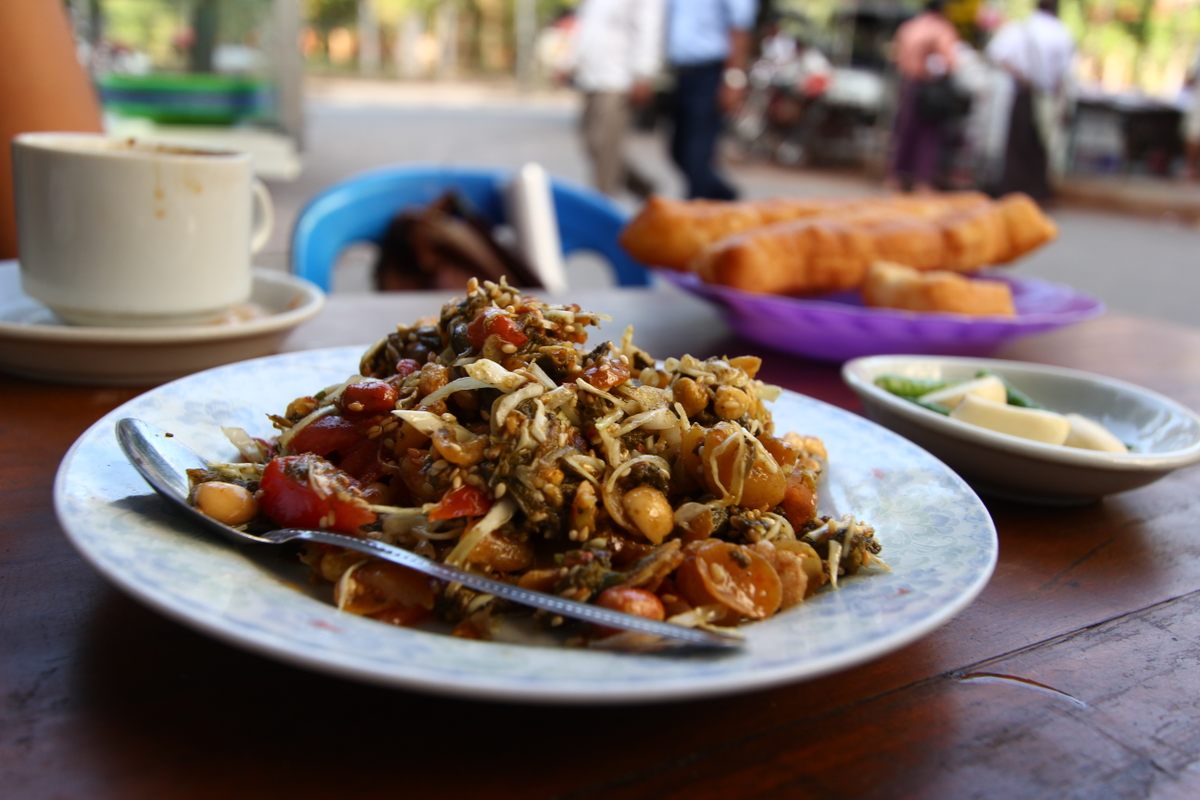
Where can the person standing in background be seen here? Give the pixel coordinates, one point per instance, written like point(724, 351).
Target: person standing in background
point(708, 48)
point(925, 50)
point(618, 53)
point(1037, 54)
point(43, 87)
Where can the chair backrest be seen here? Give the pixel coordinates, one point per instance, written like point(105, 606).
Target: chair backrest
point(359, 209)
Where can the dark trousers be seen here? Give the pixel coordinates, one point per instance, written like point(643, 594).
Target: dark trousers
point(917, 142)
point(1026, 164)
point(697, 122)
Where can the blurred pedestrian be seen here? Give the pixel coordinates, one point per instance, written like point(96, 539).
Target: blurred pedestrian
point(1037, 54)
point(925, 55)
point(1191, 124)
point(618, 54)
point(708, 47)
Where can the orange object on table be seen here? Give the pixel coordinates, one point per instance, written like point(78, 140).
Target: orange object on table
point(43, 87)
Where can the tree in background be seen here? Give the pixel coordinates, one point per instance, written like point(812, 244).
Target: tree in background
point(204, 35)
point(489, 34)
point(173, 34)
point(326, 16)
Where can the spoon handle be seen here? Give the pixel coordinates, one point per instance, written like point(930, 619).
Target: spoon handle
point(694, 637)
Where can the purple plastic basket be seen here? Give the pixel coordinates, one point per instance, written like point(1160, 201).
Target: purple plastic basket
point(838, 327)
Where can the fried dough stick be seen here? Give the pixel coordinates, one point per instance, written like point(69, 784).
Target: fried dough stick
point(823, 254)
point(895, 286)
point(673, 233)
point(1028, 228)
point(809, 255)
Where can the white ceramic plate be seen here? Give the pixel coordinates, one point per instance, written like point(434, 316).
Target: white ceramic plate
point(37, 344)
point(1163, 434)
point(936, 535)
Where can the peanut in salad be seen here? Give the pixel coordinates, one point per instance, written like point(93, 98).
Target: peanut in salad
point(495, 440)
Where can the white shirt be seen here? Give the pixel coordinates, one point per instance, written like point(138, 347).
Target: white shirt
point(617, 42)
point(1040, 48)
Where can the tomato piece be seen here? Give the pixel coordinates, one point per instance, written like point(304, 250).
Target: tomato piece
point(800, 499)
point(377, 587)
point(492, 321)
point(325, 436)
point(762, 489)
point(465, 501)
point(737, 578)
point(362, 463)
point(606, 373)
point(289, 497)
point(508, 330)
point(501, 553)
point(367, 398)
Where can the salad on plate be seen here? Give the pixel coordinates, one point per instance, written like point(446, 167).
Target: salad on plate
point(493, 438)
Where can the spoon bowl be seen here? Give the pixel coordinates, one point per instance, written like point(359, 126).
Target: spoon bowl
point(163, 462)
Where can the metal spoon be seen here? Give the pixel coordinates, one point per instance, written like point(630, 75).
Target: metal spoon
point(163, 462)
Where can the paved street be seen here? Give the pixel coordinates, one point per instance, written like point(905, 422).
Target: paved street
point(1134, 264)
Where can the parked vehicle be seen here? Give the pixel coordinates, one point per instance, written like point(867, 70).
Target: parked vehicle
point(781, 118)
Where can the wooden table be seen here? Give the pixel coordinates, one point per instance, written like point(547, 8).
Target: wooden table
point(1074, 673)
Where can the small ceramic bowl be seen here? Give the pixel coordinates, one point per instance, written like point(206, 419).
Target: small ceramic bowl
point(1162, 434)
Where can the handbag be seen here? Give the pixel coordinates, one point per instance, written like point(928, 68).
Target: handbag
point(940, 100)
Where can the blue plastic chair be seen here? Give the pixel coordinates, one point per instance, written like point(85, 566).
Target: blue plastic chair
point(360, 208)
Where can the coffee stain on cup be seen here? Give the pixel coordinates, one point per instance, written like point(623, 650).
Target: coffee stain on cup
point(160, 194)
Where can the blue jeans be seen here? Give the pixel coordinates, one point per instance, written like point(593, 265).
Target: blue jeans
point(698, 121)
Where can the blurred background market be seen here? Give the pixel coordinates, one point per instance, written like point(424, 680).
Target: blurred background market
point(221, 61)
point(319, 89)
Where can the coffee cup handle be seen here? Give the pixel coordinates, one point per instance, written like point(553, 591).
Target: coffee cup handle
point(265, 216)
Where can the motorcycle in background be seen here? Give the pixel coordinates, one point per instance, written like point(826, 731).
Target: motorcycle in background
point(782, 115)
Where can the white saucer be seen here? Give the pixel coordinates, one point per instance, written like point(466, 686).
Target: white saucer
point(37, 344)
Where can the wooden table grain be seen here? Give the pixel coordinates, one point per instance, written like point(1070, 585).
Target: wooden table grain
point(1076, 673)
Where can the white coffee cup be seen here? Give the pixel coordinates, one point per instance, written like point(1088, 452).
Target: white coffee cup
point(117, 232)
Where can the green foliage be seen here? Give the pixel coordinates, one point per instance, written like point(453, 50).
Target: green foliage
point(151, 25)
